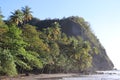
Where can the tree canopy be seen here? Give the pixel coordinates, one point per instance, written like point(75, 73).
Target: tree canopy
point(27, 49)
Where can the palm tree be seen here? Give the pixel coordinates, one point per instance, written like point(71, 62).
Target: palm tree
point(16, 17)
point(27, 13)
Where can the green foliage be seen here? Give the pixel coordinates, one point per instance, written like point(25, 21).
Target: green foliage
point(7, 63)
point(29, 60)
point(16, 17)
point(22, 59)
point(81, 21)
point(53, 33)
point(31, 36)
point(47, 50)
point(95, 50)
point(1, 16)
point(80, 53)
point(12, 38)
point(27, 13)
point(21, 16)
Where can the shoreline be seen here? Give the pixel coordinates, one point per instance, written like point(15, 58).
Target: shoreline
point(51, 76)
point(42, 76)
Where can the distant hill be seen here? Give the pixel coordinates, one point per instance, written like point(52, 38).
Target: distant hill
point(77, 26)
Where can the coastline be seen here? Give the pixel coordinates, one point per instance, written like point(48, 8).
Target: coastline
point(41, 76)
point(60, 76)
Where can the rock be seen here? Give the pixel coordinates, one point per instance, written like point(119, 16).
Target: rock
point(77, 26)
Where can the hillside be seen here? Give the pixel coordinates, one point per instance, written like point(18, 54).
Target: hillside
point(77, 26)
point(29, 45)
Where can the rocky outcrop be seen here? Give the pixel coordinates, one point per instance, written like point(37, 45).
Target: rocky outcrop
point(101, 60)
point(77, 26)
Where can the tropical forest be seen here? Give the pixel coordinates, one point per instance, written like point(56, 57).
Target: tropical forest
point(31, 45)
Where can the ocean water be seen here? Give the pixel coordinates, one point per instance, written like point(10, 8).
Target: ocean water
point(101, 75)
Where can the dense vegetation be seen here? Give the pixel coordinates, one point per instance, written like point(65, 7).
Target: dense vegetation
point(25, 48)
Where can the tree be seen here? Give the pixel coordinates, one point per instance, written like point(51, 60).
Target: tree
point(1, 21)
point(54, 32)
point(10, 42)
point(48, 50)
point(35, 45)
point(31, 36)
point(14, 44)
point(84, 58)
point(7, 63)
point(27, 14)
point(16, 17)
point(1, 16)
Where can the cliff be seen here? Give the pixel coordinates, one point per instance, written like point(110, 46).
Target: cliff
point(77, 26)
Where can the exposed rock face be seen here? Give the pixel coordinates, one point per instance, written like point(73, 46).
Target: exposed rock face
point(100, 61)
point(75, 26)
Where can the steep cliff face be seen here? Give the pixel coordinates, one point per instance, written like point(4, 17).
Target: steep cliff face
point(101, 61)
point(77, 26)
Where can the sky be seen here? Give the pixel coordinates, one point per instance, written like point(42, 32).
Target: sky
point(103, 15)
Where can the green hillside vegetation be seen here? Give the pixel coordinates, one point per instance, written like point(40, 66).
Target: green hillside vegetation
point(76, 27)
point(28, 46)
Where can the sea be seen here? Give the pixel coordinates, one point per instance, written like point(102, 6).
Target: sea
point(100, 75)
